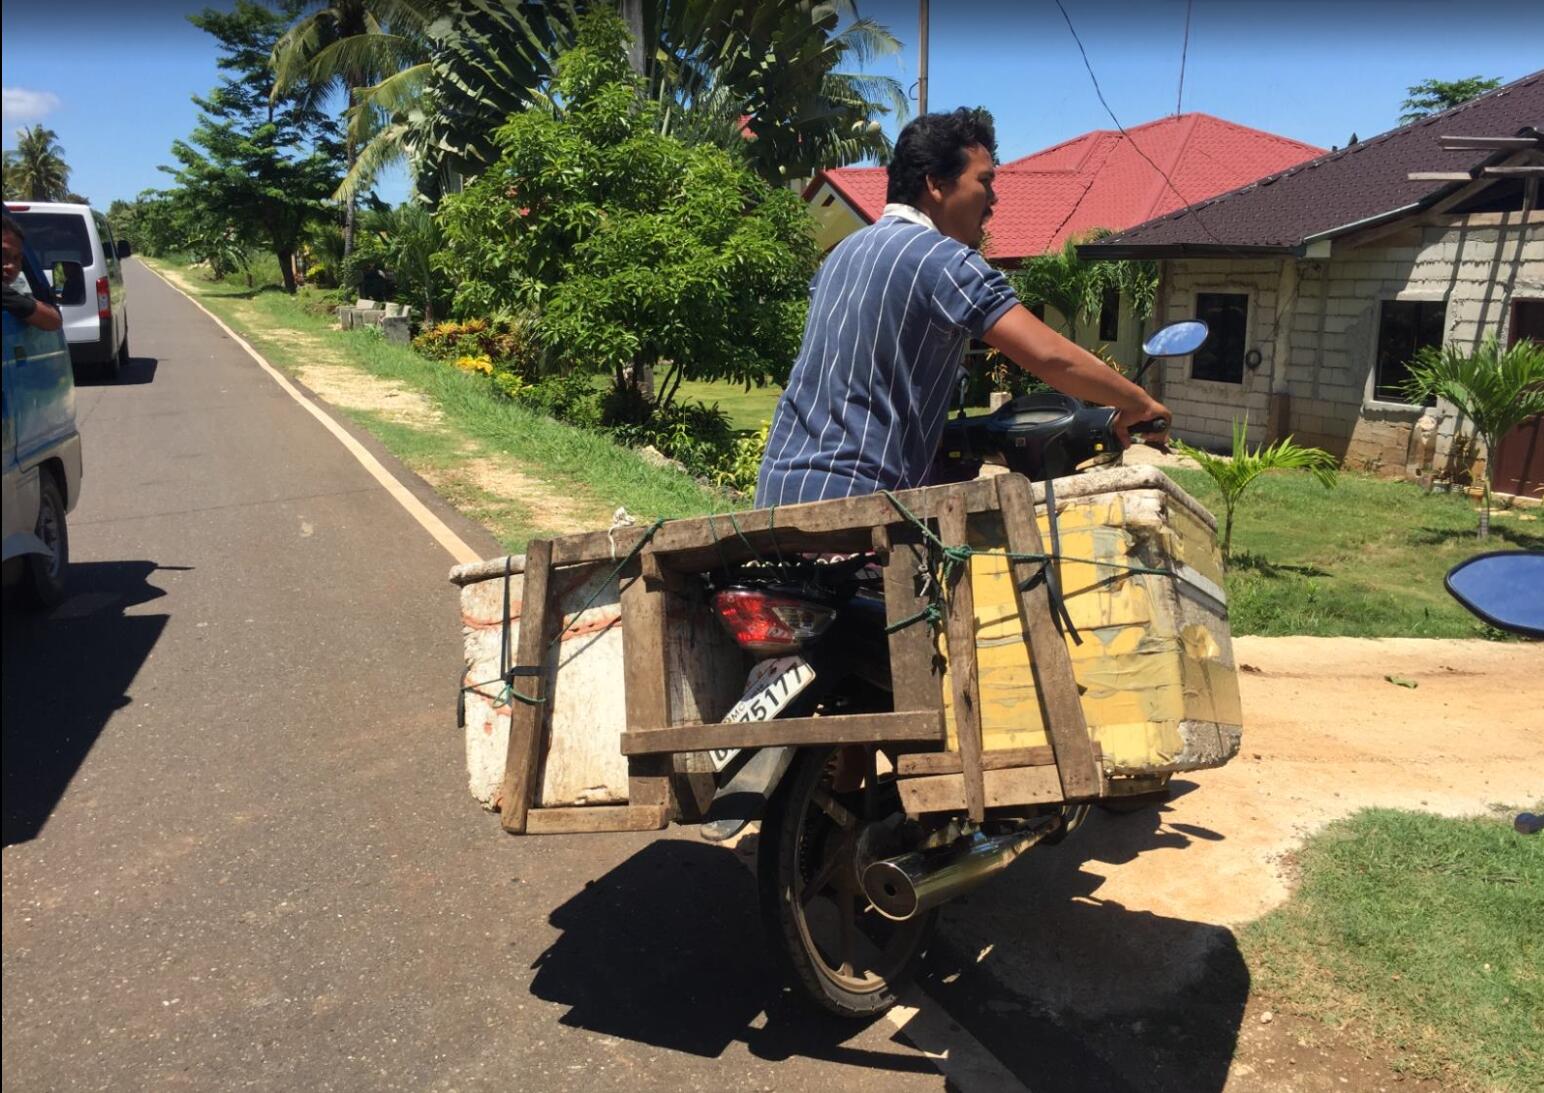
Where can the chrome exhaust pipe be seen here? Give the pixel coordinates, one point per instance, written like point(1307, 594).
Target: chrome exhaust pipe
point(904, 887)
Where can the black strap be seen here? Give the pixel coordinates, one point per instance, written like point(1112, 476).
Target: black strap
point(1059, 611)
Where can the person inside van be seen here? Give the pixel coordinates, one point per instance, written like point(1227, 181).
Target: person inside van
point(19, 298)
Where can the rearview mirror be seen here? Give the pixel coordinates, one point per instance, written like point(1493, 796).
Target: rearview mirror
point(123, 250)
point(1504, 587)
point(69, 283)
point(1177, 339)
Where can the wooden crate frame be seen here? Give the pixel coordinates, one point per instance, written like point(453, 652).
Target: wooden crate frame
point(931, 778)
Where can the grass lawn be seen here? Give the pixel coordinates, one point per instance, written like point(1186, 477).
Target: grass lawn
point(541, 476)
point(1420, 934)
point(1365, 559)
point(748, 410)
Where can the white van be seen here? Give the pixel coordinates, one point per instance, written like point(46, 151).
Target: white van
point(95, 312)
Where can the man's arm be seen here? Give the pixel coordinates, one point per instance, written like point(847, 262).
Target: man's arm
point(1070, 368)
point(31, 311)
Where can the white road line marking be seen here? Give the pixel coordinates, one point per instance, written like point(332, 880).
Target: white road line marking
point(453, 543)
point(959, 1056)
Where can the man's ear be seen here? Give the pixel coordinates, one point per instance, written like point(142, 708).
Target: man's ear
point(934, 187)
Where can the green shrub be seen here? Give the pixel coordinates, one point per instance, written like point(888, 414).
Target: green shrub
point(505, 342)
point(697, 436)
point(744, 463)
point(566, 397)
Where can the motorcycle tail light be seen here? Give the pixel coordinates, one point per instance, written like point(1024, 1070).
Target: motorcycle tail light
point(762, 622)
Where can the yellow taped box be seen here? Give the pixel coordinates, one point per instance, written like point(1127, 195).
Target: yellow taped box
point(1155, 668)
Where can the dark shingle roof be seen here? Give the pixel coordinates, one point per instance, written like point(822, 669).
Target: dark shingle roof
point(1363, 181)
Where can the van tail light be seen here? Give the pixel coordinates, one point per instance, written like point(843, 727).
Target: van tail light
point(16, 208)
point(104, 299)
point(763, 622)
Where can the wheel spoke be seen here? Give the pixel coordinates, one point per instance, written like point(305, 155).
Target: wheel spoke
point(846, 917)
point(835, 809)
point(822, 878)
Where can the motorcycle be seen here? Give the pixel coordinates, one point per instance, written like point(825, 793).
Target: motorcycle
point(849, 885)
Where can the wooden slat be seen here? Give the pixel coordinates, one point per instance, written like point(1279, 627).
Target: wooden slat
point(960, 629)
point(948, 762)
point(526, 719)
point(868, 728)
point(644, 668)
point(566, 821)
point(1439, 176)
point(1052, 666)
point(1014, 786)
point(914, 669)
point(815, 526)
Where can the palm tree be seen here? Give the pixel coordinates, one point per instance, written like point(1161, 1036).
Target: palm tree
point(478, 61)
point(1234, 475)
point(1497, 390)
point(350, 46)
point(35, 170)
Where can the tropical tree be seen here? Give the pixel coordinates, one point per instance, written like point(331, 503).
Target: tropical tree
point(1233, 475)
point(1496, 389)
point(406, 239)
point(1434, 96)
point(348, 46)
point(633, 249)
point(258, 168)
point(35, 170)
point(1076, 288)
point(767, 81)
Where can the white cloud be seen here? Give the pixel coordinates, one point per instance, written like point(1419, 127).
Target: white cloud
point(22, 104)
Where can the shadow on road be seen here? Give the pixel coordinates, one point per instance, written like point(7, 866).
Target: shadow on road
point(138, 370)
point(66, 672)
point(667, 950)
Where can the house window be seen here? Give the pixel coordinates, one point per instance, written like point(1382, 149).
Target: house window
point(1109, 316)
point(1226, 315)
point(1404, 326)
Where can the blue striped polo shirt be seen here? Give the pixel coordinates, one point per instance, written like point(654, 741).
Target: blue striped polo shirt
point(892, 309)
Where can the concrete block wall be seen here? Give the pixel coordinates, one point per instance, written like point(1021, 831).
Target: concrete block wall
point(1204, 410)
point(1324, 334)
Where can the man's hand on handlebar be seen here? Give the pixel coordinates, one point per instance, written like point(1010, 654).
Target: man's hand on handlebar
point(1149, 419)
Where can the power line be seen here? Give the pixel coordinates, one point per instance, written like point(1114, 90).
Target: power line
point(1190, 210)
point(1184, 51)
point(1137, 147)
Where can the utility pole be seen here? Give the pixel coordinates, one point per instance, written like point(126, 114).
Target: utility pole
point(632, 13)
point(922, 60)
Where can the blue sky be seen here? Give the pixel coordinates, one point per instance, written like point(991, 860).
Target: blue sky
point(116, 84)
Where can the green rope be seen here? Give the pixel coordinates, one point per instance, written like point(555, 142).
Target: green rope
point(947, 558)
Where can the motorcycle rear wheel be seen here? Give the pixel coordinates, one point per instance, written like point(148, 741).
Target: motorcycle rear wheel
point(837, 951)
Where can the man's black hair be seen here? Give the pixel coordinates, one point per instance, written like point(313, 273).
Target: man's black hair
point(934, 145)
point(12, 228)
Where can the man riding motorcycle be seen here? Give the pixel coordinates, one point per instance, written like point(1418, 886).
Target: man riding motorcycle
point(893, 308)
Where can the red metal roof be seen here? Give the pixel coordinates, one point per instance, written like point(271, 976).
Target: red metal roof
point(1101, 180)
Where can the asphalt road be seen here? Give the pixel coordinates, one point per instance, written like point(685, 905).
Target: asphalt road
point(239, 850)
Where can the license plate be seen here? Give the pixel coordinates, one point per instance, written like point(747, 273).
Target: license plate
point(771, 686)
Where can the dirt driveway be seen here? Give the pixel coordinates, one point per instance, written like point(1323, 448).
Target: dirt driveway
point(1124, 933)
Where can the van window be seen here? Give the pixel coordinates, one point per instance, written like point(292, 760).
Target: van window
point(56, 237)
point(109, 247)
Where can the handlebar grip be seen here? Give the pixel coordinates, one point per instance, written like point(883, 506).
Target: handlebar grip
point(1156, 425)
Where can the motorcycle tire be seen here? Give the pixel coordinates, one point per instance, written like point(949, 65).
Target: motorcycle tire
point(833, 948)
